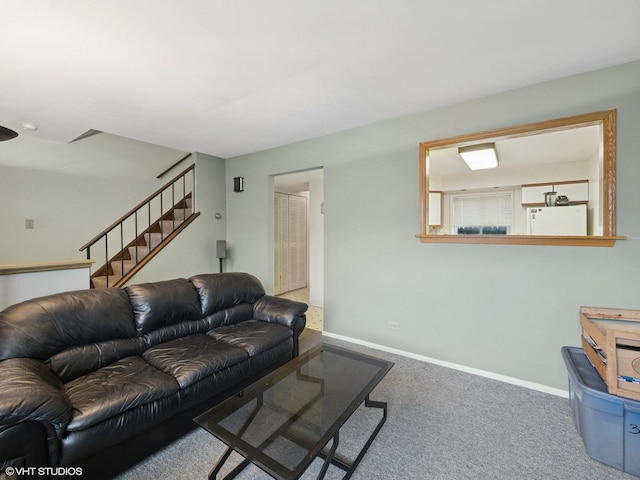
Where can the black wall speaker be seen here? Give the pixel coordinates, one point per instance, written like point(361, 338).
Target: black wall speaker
point(238, 184)
point(221, 248)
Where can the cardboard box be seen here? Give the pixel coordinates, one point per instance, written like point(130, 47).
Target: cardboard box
point(611, 341)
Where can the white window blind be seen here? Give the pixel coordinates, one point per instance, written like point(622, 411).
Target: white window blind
point(482, 210)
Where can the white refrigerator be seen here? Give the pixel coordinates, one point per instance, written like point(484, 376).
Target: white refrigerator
point(564, 220)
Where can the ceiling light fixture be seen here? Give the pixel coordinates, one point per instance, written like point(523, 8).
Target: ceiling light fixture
point(480, 156)
point(7, 134)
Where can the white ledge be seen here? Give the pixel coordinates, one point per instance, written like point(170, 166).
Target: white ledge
point(44, 266)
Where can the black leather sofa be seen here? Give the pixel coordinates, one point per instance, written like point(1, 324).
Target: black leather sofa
point(100, 377)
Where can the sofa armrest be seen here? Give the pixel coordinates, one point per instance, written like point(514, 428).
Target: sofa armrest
point(24, 445)
point(282, 311)
point(32, 392)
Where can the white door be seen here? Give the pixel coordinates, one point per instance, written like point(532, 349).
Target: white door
point(290, 242)
point(297, 242)
point(281, 242)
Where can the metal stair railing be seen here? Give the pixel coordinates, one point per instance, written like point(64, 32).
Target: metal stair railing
point(112, 238)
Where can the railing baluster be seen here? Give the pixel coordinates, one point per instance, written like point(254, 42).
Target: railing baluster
point(106, 256)
point(184, 195)
point(136, 235)
point(173, 202)
point(121, 248)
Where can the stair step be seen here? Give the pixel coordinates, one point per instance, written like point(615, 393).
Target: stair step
point(153, 239)
point(182, 213)
point(169, 226)
point(142, 251)
point(118, 266)
point(101, 282)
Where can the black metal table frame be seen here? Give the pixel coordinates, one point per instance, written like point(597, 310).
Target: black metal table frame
point(329, 458)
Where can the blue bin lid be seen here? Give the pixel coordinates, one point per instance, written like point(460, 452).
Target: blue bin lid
point(588, 381)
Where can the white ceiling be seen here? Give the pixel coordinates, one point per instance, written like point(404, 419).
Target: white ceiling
point(233, 77)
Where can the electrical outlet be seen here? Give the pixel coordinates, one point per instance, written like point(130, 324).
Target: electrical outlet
point(393, 325)
point(29, 224)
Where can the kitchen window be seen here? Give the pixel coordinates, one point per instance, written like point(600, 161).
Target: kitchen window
point(436, 157)
point(482, 213)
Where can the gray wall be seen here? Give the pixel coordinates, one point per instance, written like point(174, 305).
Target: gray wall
point(501, 309)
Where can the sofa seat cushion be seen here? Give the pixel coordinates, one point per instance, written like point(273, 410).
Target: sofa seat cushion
point(114, 389)
point(254, 336)
point(190, 359)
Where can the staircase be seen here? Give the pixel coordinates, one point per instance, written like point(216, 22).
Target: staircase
point(122, 260)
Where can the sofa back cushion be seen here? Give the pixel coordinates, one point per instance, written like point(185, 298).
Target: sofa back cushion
point(161, 304)
point(42, 327)
point(77, 361)
point(227, 298)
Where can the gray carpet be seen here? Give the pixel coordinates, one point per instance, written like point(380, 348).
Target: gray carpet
point(443, 424)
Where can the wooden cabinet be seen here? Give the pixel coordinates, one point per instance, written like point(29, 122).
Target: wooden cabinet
point(435, 209)
point(577, 191)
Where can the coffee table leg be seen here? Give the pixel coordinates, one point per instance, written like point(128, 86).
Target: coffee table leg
point(213, 474)
point(328, 460)
point(349, 468)
point(233, 473)
point(370, 404)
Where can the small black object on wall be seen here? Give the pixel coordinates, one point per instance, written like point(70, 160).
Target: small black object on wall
point(238, 184)
point(221, 251)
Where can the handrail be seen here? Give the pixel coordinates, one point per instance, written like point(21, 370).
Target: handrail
point(174, 165)
point(134, 209)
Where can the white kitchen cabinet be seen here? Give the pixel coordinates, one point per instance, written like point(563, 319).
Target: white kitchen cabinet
point(435, 209)
point(575, 191)
point(534, 194)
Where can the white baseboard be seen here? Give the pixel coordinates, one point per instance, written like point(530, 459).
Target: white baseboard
point(475, 371)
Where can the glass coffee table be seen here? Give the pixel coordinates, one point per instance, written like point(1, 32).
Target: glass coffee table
point(285, 420)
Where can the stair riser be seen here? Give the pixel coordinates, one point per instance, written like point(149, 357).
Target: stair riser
point(142, 251)
point(117, 267)
point(181, 214)
point(153, 239)
point(101, 282)
point(169, 226)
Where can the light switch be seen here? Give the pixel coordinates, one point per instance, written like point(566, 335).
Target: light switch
point(29, 224)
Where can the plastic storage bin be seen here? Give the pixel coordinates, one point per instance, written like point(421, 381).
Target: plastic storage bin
point(609, 425)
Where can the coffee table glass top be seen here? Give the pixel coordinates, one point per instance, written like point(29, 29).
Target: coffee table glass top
point(281, 422)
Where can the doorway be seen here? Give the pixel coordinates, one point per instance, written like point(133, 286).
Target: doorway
point(298, 222)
